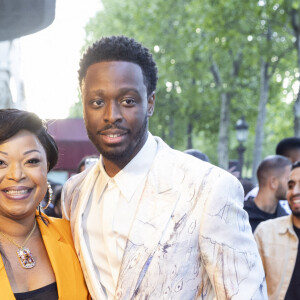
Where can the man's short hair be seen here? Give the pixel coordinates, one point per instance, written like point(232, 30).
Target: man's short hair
point(120, 48)
point(295, 165)
point(272, 165)
point(286, 145)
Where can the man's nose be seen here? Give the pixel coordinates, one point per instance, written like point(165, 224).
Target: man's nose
point(112, 112)
point(16, 172)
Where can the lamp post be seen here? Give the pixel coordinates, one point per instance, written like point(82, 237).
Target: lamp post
point(241, 128)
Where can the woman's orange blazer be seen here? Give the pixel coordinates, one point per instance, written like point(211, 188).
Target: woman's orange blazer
point(59, 245)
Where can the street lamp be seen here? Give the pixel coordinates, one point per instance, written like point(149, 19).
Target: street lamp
point(241, 128)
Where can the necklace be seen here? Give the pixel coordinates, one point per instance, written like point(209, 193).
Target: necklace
point(24, 254)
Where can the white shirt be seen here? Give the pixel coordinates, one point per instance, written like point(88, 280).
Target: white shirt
point(108, 220)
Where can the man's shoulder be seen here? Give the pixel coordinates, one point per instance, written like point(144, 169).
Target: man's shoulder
point(176, 159)
point(71, 190)
point(174, 162)
point(76, 180)
point(273, 224)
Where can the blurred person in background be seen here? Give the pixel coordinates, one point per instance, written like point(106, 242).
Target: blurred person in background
point(54, 210)
point(278, 244)
point(290, 148)
point(37, 256)
point(198, 154)
point(272, 174)
point(247, 185)
point(86, 162)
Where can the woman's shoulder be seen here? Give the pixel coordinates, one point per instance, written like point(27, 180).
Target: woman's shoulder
point(59, 223)
point(52, 224)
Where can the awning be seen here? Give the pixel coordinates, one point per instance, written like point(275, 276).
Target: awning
point(72, 141)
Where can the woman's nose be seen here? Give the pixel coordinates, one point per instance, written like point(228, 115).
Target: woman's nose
point(16, 172)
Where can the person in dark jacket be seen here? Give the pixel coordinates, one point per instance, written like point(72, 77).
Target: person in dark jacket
point(272, 176)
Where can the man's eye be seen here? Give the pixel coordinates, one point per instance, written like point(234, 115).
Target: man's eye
point(97, 102)
point(129, 101)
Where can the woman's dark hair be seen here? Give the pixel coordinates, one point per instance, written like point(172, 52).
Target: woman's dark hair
point(14, 120)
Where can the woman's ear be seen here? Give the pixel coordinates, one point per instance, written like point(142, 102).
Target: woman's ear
point(151, 104)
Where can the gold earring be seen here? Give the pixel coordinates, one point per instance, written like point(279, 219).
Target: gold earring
point(50, 193)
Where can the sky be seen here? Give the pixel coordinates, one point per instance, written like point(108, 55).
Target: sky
point(50, 58)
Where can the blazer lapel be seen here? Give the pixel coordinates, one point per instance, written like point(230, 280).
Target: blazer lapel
point(62, 265)
point(5, 288)
point(157, 206)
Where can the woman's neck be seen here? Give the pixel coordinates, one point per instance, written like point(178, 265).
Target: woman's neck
point(17, 229)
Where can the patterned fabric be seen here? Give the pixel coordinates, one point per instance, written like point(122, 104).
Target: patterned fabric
point(191, 238)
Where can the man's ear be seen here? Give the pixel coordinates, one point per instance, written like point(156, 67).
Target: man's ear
point(273, 181)
point(151, 104)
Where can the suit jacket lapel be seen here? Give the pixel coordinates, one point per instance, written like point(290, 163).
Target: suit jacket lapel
point(157, 206)
point(84, 195)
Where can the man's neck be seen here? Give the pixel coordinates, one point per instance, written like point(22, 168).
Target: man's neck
point(266, 202)
point(113, 168)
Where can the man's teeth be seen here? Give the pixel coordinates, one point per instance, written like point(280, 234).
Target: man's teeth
point(296, 201)
point(113, 135)
point(17, 192)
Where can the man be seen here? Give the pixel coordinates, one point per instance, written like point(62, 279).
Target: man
point(150, 222)
point(278, 242)
point(290, 148)
point(272, 175)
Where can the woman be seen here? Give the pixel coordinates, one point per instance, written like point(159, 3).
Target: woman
point(37, 257)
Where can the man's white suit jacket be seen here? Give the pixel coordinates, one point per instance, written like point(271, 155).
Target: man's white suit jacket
point(191, 238)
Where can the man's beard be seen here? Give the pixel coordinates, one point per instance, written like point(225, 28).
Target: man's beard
point(127, 153)
point(296, 214)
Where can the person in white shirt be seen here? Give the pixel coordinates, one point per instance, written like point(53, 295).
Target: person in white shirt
point(150, 222)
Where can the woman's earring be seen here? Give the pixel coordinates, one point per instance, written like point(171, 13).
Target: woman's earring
point(50, 192)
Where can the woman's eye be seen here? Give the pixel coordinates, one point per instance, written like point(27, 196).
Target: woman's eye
point(2, 163)
point(33, 161)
